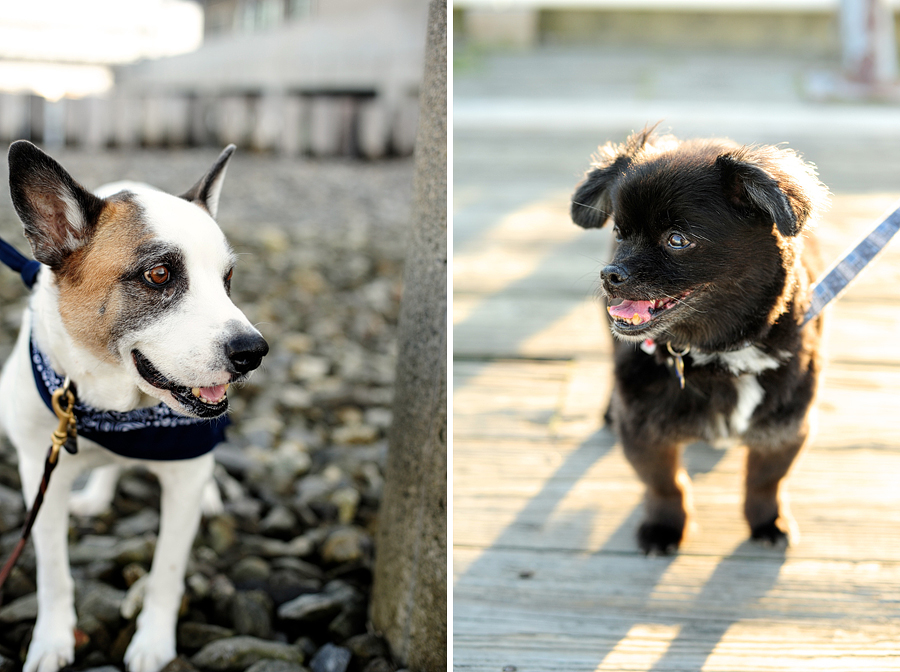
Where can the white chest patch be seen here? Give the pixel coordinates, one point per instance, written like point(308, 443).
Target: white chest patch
point(746, 364)
point(746, 360)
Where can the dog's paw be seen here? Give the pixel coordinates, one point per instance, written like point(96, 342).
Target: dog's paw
point(148, 652)
point(49, 654)
point(778, 533)
point(658, 538)
point(87, 505)
point(211, 504)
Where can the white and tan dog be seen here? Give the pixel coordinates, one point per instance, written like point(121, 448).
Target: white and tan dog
point(133, 304)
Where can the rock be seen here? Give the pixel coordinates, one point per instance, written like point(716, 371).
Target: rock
point(322, 607)
point(355, 434)
point(345, 544)
point(147, 520)
point(23, 609)
point(285, 584)
point(276, 666)
point(301, 546)
point(251, 613)
point(315, 608)
point(221, 592)
point(12, 509)
point(309, 367)
point(296, 397)
point(233, 459)
point(132, 572)
point(194, 636)
point(331, 658)
point(221, 531)
point(99, 600)
point(366, 646)
point(236, 654)
point(379, 665)
point(347, 501)
point(137, 549)
point(297, 343)
point(199, 585)
point(103, 668)
point(178, 664)
point(7, 664)
point(250, 570)
point(279, 522)
point(379, 417)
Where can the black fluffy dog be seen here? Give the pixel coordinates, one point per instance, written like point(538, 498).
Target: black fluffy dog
point(706, 293)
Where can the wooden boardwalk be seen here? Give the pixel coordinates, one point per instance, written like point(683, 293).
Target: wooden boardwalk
point(546, 571)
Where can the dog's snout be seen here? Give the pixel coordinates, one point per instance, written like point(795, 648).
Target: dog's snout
point(245, 352)
point(614, 275)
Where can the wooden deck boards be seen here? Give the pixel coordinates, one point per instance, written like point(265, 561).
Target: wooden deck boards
point(546, 572)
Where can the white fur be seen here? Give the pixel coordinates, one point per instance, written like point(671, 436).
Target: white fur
point(750, 394)
point(746, 360)
point(745, 364)
point(183, 345)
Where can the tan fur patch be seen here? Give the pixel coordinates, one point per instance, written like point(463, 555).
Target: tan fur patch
point(89, 297)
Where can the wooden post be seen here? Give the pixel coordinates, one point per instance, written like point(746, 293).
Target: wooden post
point(409, 595)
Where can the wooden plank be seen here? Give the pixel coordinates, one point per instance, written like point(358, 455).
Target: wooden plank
point(581, 611)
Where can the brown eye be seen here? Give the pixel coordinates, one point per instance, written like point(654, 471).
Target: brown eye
point(228, 277)
point(158, 275)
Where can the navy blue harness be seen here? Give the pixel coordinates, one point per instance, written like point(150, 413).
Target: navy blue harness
point(153, 433)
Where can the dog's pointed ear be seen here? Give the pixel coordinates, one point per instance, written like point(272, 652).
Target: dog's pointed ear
point(592, 203)
point(58, 214)
point(775, 183)
point(206, 192)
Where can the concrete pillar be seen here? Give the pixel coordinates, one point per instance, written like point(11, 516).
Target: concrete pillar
point(373, 127)
point(127, 120)
point(406, 124)
point(409, 595)
point(869, 46)
point(295, 139)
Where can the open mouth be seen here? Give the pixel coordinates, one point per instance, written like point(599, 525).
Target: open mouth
point(204, 402)
point(635, 315)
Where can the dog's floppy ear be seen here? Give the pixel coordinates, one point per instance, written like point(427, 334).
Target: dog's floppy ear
point(774, 182)
point(58, 214)
point(206, 192)
point(592, 203)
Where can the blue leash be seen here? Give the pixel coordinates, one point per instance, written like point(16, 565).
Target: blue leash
point(836, 279)
point(27, 268)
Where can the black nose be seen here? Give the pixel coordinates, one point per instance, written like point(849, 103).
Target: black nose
point(614, 275)
point(245, 352)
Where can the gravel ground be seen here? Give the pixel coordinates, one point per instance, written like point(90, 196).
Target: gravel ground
point(280, 581)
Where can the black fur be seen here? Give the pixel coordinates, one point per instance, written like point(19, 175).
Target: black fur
point(45, 196)
point(710, 230)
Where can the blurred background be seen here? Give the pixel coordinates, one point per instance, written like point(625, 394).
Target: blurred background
point(546, 571)
point(322, 100)
point(336, 77)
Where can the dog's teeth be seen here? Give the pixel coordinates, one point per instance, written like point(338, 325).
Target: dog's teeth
point(636, 319)
point(195, 391)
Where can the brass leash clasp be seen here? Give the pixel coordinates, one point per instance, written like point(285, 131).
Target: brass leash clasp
point(65, 434)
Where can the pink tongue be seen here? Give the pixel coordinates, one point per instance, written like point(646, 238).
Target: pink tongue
point(628, 309)
point(214, 393)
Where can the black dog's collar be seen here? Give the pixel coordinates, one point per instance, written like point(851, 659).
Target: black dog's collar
point(153, 433)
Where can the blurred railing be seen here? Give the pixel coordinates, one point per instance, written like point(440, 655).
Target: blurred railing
point(290, 123)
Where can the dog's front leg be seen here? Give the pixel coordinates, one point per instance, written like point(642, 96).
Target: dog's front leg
point(53, 640)
point(667, 500)
point(182, 483)
point(766, 503)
